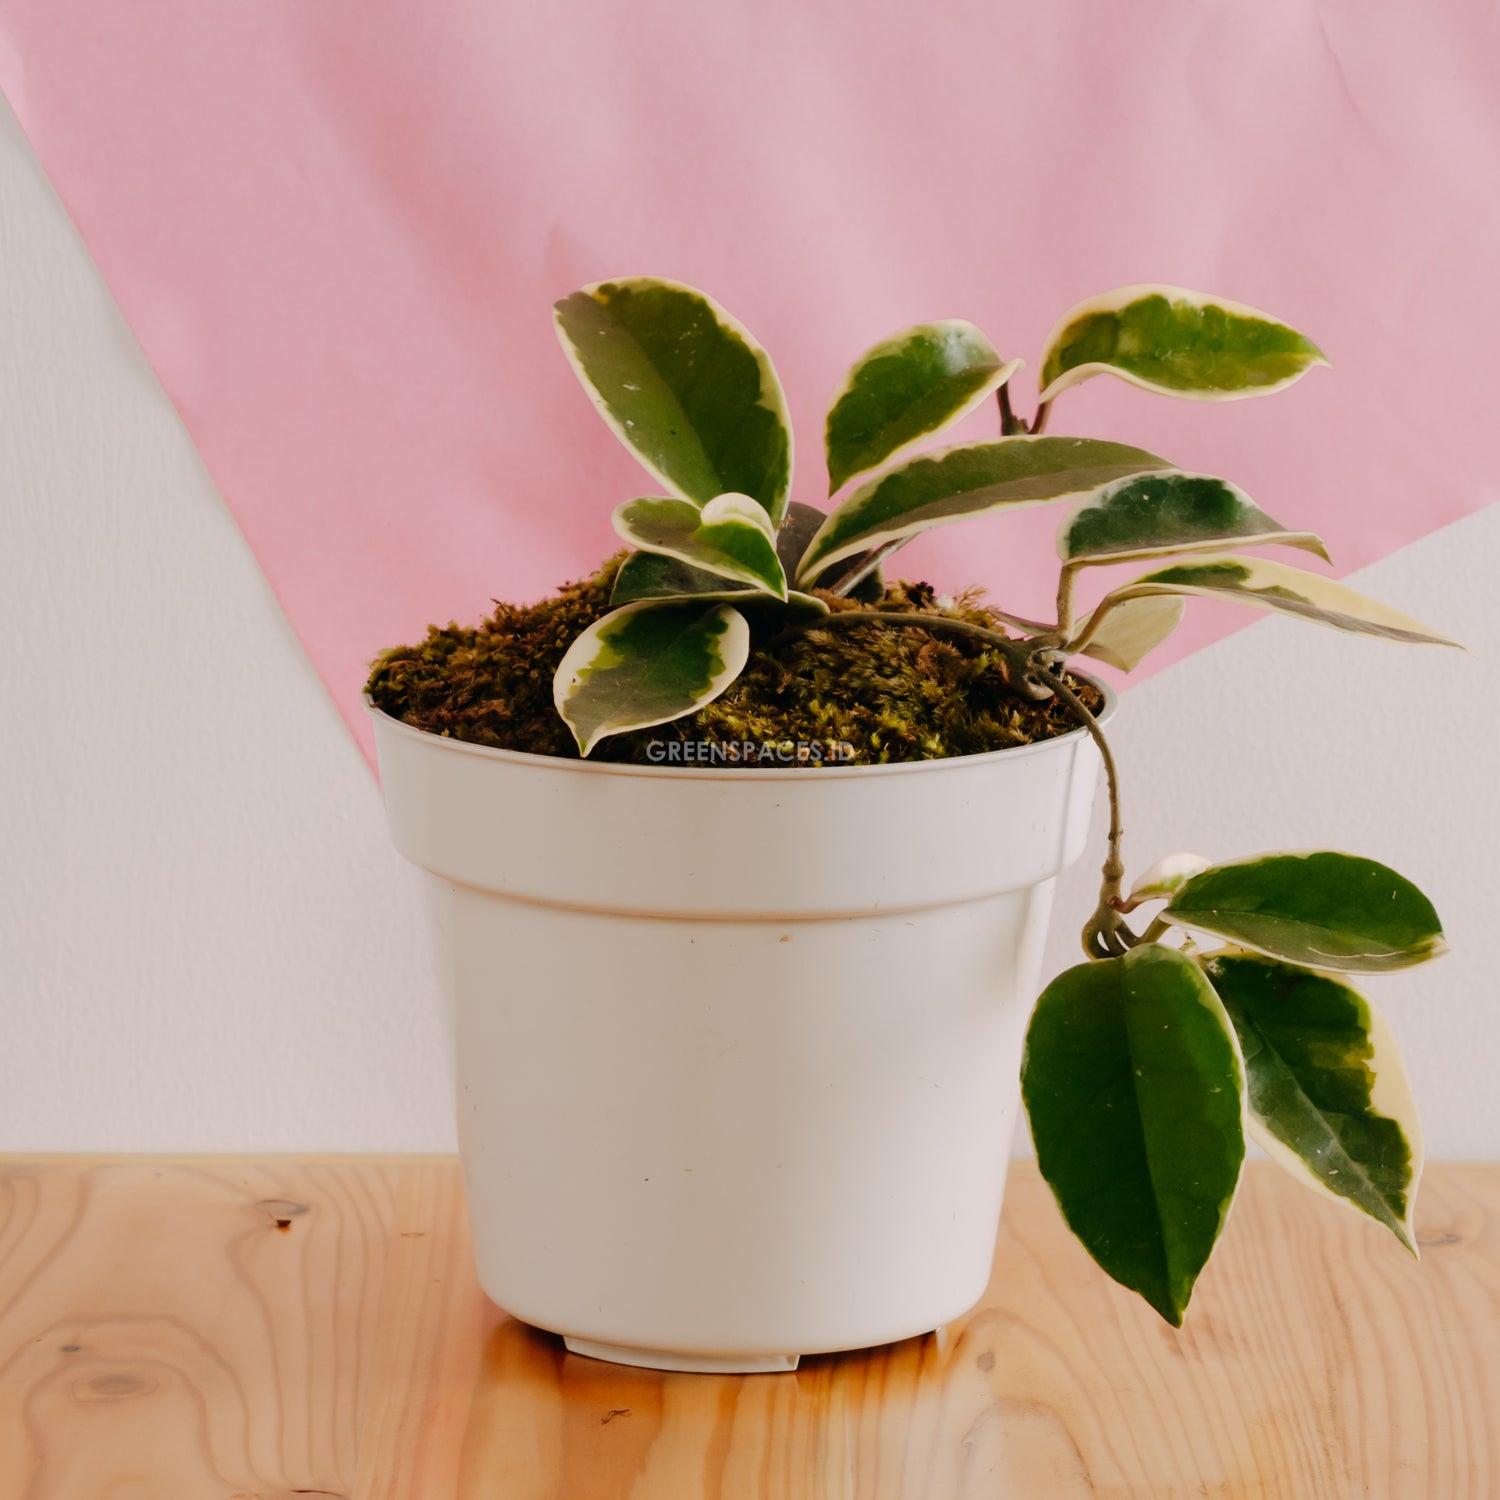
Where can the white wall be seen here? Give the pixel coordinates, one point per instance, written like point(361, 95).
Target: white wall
point(205, 940)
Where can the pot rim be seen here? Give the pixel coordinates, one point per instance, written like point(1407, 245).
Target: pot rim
point(685, 772)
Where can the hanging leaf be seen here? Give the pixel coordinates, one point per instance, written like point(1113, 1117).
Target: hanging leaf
point(1133, 1083)
point(1130, 631)
point(650, 575)
point(1329, 1098)
point(1276, 586)
point(1154, 515)
point(684, 385)
point(905, 389)
point(971, 479)
point(1176, 342)
point(1324, 910)
point(648, 664)
point(730, 537)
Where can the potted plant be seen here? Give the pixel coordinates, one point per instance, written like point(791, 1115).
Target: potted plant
point(749, 857)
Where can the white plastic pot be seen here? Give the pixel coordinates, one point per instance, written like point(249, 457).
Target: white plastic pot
point(738, 1049)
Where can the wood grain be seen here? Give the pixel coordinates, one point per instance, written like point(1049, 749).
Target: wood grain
point(162, 1337)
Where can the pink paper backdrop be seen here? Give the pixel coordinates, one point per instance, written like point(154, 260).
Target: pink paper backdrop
point(337, 227)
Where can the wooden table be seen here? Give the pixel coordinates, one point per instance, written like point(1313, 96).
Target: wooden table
point(201, 1329)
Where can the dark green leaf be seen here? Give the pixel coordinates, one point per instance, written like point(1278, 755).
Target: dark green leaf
point(1325, 910)
point(972, 479)
point(663, 580)
point(684, 385)
point(906, 388)
point(1155, 514)
point(1133, 1083)
point(1177, 342)
point(1329, 1096)
point(730, 537)
point(648, 664)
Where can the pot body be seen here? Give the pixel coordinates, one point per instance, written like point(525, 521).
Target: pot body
point(738, 1050)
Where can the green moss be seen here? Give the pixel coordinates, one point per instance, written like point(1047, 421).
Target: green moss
point(894, 694)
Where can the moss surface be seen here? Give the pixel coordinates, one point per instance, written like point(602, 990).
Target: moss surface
point(894, 694)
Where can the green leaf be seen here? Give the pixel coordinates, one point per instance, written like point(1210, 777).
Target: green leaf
point(648, 664)
point(1176, 342)
point(665, 580)
point(1133, 1083)
point(684, 385)
point(905, 389)
point(1153, 515)
point(1325, 910)
point(730, 537)
point(971, 479)
point(1329, 1098)
point(1276, 586)
point(1127, 633)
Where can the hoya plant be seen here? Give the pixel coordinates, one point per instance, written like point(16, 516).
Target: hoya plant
point(1230, 1013)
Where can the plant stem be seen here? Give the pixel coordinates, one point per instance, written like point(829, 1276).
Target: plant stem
point(1065, 600)
point(1039, 421)
point(1010, 423)
point(1106, 934)
point(1084, 638)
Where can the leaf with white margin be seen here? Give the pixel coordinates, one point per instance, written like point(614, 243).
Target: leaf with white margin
point(1156, 515)
point(730, 537)
point(1129, 632)
point(970, 479)
point(906, 388)
point(1283, 589)
point(1176, 342)
point(685, 385)
point(648, 664)
point(1323, 910)
point(1330, 1101)
point(1169, 873)
point(1133, 1083)
point(664, 580)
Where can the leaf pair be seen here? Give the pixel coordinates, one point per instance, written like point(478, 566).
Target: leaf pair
point(1143, 1073)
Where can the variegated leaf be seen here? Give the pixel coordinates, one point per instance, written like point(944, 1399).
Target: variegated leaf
point(1285, 590)
point(1176, 342)
point(906, 388)
point(1155, 515)
point(648, 664)
point(1133, 1083)
point(1126, 634)
point(1164, 877)
point(663, 580)
point(730, 537)
point(1329, 1098)
point(971, 479)
point(1324, 910)
point(683, 384)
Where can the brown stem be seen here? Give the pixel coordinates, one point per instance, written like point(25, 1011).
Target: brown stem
point(1106, 934)
point(1010, 423)
point(1065, 580)
point(1039, 421)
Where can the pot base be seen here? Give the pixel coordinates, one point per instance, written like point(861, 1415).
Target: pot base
point(697, 1364)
